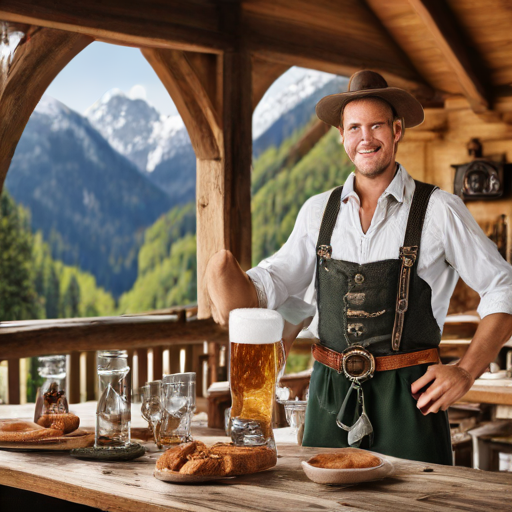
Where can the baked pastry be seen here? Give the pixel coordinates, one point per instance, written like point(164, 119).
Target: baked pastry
point(67, 422)
point(13, 431)
point(345, 458)
point(174, 458)
point(220, 460)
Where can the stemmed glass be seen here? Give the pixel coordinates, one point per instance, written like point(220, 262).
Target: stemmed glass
point(151, 408)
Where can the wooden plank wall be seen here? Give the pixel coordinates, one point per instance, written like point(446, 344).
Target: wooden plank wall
point(427, 152)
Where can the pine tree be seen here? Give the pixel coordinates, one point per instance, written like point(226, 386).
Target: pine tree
point(18, 297)
point(52, 294)
point(71, 299)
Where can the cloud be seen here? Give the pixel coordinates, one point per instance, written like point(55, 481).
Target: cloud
point(138, 92)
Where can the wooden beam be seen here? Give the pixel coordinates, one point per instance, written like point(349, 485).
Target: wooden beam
point(441, 23)
point(26, 339)
point(37, 61)
point(184, 25)
point(338, 43)
point(342, 50)
point(264, 74)
point(191, 98)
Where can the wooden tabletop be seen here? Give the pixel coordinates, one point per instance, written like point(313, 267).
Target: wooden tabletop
point(130, 486)
point(490, 391)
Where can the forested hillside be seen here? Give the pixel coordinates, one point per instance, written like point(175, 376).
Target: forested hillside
point(280, 190)
point(167, 264)
point(34, 285)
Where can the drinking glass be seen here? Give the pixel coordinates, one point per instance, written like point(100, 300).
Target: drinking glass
point(51, 396)
point(151, 408)
point(255, 337)
point(176, 403)
point(113, 414)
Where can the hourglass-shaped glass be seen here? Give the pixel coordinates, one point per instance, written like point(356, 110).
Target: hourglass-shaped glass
point(113, 415)
point(51, 397)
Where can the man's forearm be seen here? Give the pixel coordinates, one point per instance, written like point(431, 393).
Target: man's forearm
point(492, 333)
point(447, 384)
point(228, 286)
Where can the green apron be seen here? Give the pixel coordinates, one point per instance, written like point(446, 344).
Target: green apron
point(356, 306)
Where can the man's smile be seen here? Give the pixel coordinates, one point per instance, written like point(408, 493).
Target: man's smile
point(368, 151)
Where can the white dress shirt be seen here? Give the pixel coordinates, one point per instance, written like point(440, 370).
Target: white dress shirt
point(452, 245)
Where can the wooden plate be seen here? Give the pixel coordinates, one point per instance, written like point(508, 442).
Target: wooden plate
point(178, 478)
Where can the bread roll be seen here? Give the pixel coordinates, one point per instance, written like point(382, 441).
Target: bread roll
point(345, 458)
point(220, 460)
point(174, 458)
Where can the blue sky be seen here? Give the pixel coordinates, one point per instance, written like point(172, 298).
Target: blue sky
point(101, 67)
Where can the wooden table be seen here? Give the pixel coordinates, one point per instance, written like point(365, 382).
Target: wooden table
point(131, 487)
point(490, 391)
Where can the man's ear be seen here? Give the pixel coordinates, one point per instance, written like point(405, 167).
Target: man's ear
point(398, 129)
point(340, 129)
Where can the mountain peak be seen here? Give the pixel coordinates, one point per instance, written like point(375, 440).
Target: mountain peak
point(51, 107)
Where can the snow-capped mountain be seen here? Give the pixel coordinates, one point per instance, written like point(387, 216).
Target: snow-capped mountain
point(89, 201)
point(158, 145)
point(284, 95)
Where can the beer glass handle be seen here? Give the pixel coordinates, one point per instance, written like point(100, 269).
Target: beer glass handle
point(281, 360)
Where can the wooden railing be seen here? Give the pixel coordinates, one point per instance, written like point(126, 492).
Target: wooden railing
point(158, 342)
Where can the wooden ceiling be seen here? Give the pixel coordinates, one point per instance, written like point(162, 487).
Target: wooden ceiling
point(436, 49)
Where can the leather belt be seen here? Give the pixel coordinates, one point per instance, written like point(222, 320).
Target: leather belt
point(334, 359)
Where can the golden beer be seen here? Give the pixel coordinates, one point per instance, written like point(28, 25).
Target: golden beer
point(253, 382)
point(256, 358)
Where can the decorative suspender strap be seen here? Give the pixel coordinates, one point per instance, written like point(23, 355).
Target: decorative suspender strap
point(323, 246)
point(408, 255)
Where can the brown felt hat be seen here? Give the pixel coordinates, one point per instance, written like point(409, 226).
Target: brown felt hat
point(369, 83)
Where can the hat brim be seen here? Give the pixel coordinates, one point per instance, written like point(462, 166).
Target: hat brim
point(329, 108)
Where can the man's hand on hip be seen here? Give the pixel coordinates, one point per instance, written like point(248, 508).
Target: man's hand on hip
point(444, 386)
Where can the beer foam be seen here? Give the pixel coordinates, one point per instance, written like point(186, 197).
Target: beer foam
point(255, 326)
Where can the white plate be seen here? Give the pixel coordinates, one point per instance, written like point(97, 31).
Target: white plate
point(348, 476)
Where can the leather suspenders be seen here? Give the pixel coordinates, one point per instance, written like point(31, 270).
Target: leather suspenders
point(409, 253)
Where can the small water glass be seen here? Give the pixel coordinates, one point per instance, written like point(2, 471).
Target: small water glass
point(151, 408)
point(177, 404)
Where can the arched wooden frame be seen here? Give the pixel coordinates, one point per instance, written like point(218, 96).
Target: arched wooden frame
point(215, 95)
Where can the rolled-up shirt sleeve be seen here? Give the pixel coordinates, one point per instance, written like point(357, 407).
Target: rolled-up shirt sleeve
point(476, 258)
point(288, 273)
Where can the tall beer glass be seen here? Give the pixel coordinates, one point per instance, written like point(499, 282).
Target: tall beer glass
point(256, 355)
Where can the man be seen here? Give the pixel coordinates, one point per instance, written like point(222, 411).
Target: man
point(383, 253)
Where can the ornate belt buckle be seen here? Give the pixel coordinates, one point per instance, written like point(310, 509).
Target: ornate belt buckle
point(358, 364)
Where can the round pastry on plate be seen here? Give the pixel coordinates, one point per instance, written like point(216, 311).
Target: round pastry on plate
point(346, 466)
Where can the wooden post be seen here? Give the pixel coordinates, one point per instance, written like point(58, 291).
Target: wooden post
point(213, 362)
point(158, 363)
point(142, 358)
point(74, 378)
point(91, 376)
point(214, 97)
point(13, 378)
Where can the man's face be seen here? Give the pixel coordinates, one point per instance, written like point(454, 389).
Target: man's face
point(369, 136)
